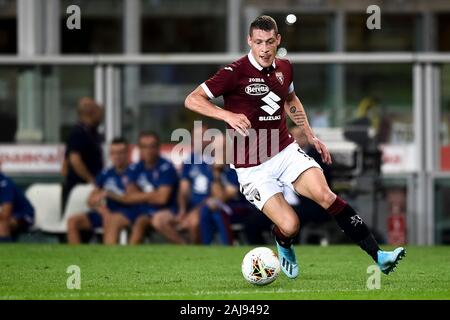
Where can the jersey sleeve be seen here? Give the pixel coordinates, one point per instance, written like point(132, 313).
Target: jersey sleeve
point(225, 80)
point(100, 180)
point(185, 171)
point(6, 191)
point(168, 176)
point(131, 175)
point(230, 178)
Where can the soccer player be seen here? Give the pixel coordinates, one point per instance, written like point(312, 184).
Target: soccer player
point(16, 212)
point(112, 215)
point(152, 183)
point(258, 92)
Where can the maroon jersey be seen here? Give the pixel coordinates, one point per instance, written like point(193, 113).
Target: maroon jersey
point(259, 93)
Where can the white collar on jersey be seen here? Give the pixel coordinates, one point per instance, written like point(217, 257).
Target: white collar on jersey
point(255, 63)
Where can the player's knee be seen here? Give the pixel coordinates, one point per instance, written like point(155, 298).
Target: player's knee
point(290, 227)
point(159, 222)
point(72, 223)
point(3, 219)
point(325, 197)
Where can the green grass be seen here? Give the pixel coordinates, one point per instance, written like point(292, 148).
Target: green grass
point(37, 271)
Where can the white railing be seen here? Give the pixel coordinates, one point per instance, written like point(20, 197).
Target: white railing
point(347, 58)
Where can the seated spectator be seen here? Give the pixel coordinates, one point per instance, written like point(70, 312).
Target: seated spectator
point(225, 206)
point(112, 215)
point(195, 187)
point(16, 212)
point(152, 184)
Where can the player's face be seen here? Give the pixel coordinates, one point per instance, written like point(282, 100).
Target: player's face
point(264, 46)
point(119, 155)
point(149, 148)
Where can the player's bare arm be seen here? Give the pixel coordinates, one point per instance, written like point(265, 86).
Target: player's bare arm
point(6, 211)
point(134, 195)
point(96, 198)
point(183, 194)
point(160, 196)
point(198, 101)
point(296, 112)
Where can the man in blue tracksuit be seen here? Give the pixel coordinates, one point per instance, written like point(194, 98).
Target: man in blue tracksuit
point(16, 212)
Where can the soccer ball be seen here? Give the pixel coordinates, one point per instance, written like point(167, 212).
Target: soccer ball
point(260, 266)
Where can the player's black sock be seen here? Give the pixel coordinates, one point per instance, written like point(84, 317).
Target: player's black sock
point(353, 226)
point(282, 240)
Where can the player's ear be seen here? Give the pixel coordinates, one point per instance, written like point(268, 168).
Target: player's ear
point(278, 39)
point(249, 40)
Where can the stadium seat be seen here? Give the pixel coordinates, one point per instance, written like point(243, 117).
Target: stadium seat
point(76, 203)
point(46, 200)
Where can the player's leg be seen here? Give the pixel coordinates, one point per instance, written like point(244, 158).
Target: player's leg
point(75, 225)
point(193, 225)
point(262, 188)
point(312, 184)
point(207, 227)
point(164, 222)
point(5, 230)
point(285, 231)
point(116, 222)
point(222, 222)
point(139, 227)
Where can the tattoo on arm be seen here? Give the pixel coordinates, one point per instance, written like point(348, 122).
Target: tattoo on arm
point(298, 116)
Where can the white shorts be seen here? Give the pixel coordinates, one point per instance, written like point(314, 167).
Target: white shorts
point(261, 182)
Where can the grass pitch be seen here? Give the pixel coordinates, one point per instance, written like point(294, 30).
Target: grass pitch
point(37, 271)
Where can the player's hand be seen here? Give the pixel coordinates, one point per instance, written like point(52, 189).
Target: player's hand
point(321, 148)
point(180, 216)
point(103, 211)
point(239, 122)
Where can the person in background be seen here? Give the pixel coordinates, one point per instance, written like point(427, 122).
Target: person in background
point(107, 213)
point(226, 205)
point(16, 212)
point(84, 156)
point(195, 186)
point(152, 184)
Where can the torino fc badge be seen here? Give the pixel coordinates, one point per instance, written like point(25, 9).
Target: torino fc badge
point(280, 77)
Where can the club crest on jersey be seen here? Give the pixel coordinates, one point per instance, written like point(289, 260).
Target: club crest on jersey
point(280, 77)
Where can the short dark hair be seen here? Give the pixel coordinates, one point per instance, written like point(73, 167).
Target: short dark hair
point(149, 133)
point(119, 140)
point(265, 23)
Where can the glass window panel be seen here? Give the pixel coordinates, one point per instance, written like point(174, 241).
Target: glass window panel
point(399, 32)
point(443, 25)
point(444, 133)
point(158, 102)
point(101, 27)
point(183, 26)
point(310, 33)
point(8, 27)
point(51, 97)
point(442, 214)
point(8, 103)
point(384, 93)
